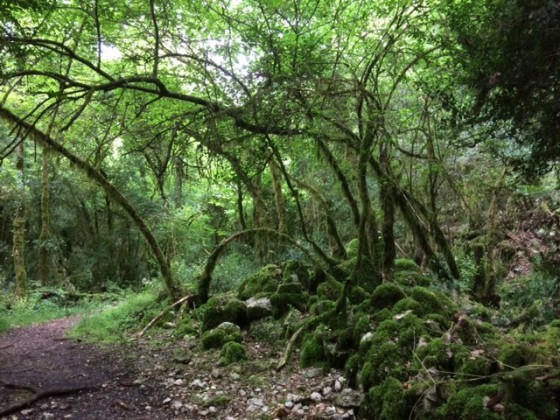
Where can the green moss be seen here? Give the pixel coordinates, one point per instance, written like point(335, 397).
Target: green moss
point(468, 404)
point(263, 282)
point(313, 350)
point(411, 278)
point(383, 360)
point(434, 301)
point(436, 353)
point(472, 367)
point(361, 327)
point(358, 295)
point(382, 315)
point(186, 326)
point(387, 400)
point(524, 389)
point(408, 304)
point(282, 302)
point(352, 367)
point(406, 264)
point(291, 288)
point(224, 333)
point(513, 355)
point(386, 295)
point(219, 310)
point(322, 306)
point(232, 352)
point(352, 248)
point(406, 331)
point(295, 271)
point(330, 289)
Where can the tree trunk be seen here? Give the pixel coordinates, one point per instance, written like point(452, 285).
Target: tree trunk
point(43, 266)
point(279, 197)
point(19, 228)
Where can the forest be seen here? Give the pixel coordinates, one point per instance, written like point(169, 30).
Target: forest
point(369, 187)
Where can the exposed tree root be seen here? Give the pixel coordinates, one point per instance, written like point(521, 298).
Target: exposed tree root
point(159, 317)
point(290, 348)
point(38, 394)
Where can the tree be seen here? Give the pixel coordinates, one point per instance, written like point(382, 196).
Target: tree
point(509, 54)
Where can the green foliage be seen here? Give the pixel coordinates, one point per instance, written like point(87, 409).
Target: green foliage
point(232, 352)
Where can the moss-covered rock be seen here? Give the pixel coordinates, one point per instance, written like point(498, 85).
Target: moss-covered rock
point(411, 278)
point(313, 350)
point(523, 388)
point(358, 295)
point(330, 289)
point(262, 283)
point(295, 271)
point(387, 400)
point(469, 404)
point(386, 295)
point(434, 301)
point(408, 304)
point(406, 264)
point(282, 302)
point(437, 353)
point(322, 306)
point(232, 352)
point(290, 288)
point(220, 335)
point(258, 308)
point(223, 309)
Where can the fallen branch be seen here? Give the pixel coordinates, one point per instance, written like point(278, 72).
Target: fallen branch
point(164, 312)
point(38, 394)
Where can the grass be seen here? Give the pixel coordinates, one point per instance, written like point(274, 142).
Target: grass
point(115, 323)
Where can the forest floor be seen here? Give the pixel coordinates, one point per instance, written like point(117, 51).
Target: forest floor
point(46, 375)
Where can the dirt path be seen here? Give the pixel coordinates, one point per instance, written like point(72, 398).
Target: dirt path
point(72, 380)
point(175, 380)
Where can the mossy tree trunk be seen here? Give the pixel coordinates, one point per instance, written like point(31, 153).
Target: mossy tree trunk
point(278, 197)
point(173, 287)
point(490, 296)
point(43, 264)
point(18, 249)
